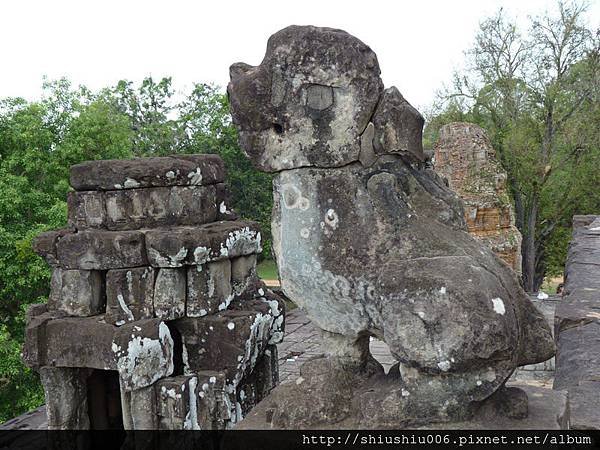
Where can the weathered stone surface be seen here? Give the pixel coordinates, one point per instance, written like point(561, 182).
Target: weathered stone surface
point(224, 203)
point(276, 309)
point(216, 403)
point(86, 210)
point(547, 410)
point(194, 402)
point(322, 259)
point(176, 170)
point(577, 276)
point(131, 209)
point(44, 244)
point(143, 353)
point(379, 249)
point(584, 402)
point(177, 397)
point(583, 220)
point(318, 405)
point(102, 250)
point(34, 350)
point(577, 355)
point(129, 295)
point(542, 372)
point(142, 408)
point(367, 154)
point(35, 419)
point(311, 407)
point(262, 380)
point(34, 310)
point(72, 342)
point(509, 402)
point(128, 353)
point(232, 340)
point(466, 158)
point(288, 108)
point(267, 373)
point(577, 325)
point(179, 246)
point(140, 411)
point(398, 127)
point(65, 390)
point(78, 293)
point(576, 312)
point(169, 294)
point(399, 406)
point(243, 273)
point(208, 288)
point(126, 406)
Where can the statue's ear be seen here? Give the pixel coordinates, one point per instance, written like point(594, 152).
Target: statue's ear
point(398, 127)
point(237, 69)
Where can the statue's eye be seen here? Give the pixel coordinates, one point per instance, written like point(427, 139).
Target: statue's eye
point(277, 128)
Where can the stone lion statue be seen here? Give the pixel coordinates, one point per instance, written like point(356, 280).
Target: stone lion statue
point(370, 242)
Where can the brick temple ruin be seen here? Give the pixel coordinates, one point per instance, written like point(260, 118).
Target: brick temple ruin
point(156, 318)
point(464, 155)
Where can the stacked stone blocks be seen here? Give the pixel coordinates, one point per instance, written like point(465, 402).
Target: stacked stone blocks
point(153, 278)
point(577, 325)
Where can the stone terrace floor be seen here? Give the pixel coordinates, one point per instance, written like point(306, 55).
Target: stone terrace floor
point(302, 341)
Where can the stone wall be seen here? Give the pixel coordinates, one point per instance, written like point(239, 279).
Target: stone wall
point(577, 325)
point(465, 157)
point(542, 373)
point(156, 318)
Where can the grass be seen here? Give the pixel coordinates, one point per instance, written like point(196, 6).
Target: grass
point(267, 270)
point(550, 284)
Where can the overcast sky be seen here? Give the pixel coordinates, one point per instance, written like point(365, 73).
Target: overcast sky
point(96, 43)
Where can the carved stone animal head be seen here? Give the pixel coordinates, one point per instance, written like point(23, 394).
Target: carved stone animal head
point(310, 100)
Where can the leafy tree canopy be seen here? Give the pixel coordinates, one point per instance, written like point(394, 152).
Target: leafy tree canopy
point(538, 95)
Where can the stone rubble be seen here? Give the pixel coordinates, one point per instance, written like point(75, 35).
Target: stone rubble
point(156, 319)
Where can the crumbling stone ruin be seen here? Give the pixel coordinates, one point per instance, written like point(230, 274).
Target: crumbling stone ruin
point(577, 326)
point(156, 318)
point(372, 243)
point(464, 155)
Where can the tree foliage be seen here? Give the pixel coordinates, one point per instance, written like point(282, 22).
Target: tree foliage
point(537, 94)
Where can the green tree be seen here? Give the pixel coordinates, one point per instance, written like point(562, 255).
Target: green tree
point(198, 123)
point(207, 125)
point(531, 93)
point(152, 112)
point(40, 140)
point(38, 143)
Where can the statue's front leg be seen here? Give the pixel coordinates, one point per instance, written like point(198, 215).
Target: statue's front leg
point(351, 353)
